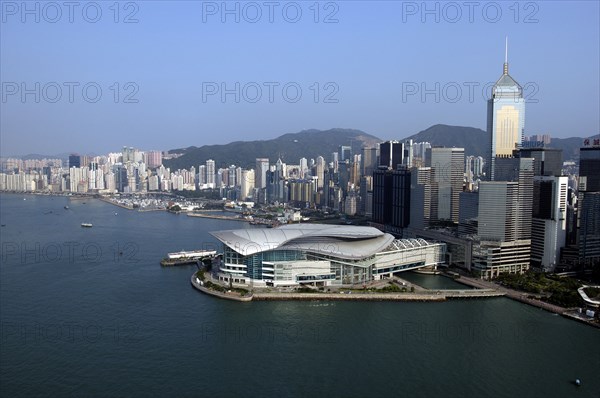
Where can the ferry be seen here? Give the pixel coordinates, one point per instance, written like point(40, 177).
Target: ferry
point(86, 225)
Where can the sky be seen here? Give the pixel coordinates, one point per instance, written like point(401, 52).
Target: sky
point(92, 77)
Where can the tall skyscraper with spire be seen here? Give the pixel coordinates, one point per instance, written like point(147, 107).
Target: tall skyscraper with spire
point(505, 118)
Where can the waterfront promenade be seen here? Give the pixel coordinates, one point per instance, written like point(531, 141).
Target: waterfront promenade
point(345, 294)
point(513, 294)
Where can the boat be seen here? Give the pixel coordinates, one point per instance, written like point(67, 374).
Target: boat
point(66, 207)
point(86, 225)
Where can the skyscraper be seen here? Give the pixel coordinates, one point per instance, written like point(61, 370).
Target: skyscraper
point(262, 166)
point(447, 165)
point(589, 203)
point(345, 153)
point(391, 154)
point(505, 118)
point(369, 161)
point(210, 173)
point(391, 198)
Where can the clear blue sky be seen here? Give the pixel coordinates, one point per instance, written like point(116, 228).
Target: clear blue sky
point(372, 55)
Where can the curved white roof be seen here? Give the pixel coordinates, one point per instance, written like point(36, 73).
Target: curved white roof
point(343, 241)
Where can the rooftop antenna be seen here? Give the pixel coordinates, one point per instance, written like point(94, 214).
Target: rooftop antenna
point(506, 56)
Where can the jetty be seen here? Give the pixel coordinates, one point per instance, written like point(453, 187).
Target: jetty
point(187, 257)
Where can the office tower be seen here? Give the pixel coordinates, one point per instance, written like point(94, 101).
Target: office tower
point(369, 161)
point(447, 165)
point(505, 118)
point(210, 174)
point(344, 176)
point(121, 180)
point(391, 154)
point(589, 203)
point(547, 161)
point(408, 154)
point(468, 213)
point(345, 153)
point(519, 170)
point(589, 229)
point(500, 246)
point(262, 166)
point(74, 161)
point(335, 156)
point(423, 198)
point(303, 167)
point(247, 183)
point(419, 151)
point(391, 198)
point(498, 203)
point(366, 188)
point(549, 221)
point(589, 168)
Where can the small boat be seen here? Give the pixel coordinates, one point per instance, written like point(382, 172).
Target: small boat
point(66, 207)
point(577, 382)
point(86, 225)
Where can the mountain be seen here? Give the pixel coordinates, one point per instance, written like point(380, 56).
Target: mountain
point(289, 147)
point(474, 140)
point(313, 143)
point(570, 146)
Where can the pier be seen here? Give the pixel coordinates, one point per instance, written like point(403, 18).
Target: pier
point(218, 216)
point(191, 257)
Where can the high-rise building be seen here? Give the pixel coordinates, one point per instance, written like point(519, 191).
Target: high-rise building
point(262, 166)
point(153, 159)
point(549, 221)
point(519, 170)
point(369, 161)
point(345, 153)
point(391, 198)
point(447, 165)
point(320, 171)
point(391, 154)
point(505, 118)
point(247, 183)
point(589, 203)
point(501, 247)
point(547, 161)
point(589, 169)
point(210, 174)
point(74, 161)
point(423, 198)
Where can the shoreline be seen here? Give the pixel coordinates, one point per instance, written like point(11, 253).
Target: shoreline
point(430, 295)
point(524, 298)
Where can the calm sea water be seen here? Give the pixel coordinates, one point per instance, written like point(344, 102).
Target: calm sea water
point(90, 312)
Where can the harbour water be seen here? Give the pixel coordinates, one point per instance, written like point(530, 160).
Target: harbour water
point(90, 312)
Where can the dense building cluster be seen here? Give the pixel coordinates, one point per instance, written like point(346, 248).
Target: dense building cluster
point(511, 209)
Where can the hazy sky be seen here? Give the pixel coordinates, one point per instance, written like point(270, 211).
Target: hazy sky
point(358, 64)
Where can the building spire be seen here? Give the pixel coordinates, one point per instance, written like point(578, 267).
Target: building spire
point(505, 71)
